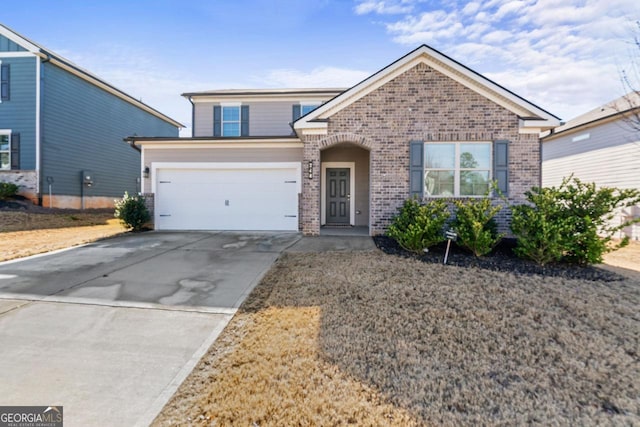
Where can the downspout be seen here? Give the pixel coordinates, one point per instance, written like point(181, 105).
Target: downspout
point(132, 143)
point(193, 117)
point(41, 59)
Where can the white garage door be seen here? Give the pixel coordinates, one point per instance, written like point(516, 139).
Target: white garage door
point(261, 197)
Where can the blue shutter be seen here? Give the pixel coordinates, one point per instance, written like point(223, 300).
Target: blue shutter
point(4, 82)
point(15, 151)
point(217, 120)
point(416, 169)
point(244, 120)
point(501, 165)
point(296, 112)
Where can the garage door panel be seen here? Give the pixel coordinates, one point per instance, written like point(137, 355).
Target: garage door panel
point(227, 199)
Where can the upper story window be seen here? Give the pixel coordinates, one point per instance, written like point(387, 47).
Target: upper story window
point(231, 120)
point(455, 169)
point(5, 150)
point(301, 109)
point(4, 81)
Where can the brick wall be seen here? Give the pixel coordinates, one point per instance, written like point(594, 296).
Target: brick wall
point(420, 104)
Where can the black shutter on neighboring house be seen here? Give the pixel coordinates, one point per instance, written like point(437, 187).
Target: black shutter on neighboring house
point(501, 165)
point(416, 169)
point(15, 151)
point(244, 120)
point(4, 82)
point(217, 120)
point(296, 112)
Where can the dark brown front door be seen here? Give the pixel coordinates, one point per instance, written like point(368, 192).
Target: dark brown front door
point(338, 197)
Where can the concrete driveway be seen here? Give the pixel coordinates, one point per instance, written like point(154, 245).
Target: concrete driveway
point(111, 329)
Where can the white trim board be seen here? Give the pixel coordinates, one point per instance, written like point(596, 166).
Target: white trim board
point(352, 189)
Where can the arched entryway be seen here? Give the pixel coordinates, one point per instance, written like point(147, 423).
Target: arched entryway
point(344, 189)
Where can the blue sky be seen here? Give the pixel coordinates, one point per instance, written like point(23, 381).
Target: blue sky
point(564, 55)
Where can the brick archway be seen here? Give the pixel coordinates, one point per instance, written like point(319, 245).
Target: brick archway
point(344, 137)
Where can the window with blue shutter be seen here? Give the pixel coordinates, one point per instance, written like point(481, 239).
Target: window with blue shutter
point(416, 169)
point(15, 151)
point(217, 120)
point(231, 120)
point(295, 115)
point(501, 165)
point(5, 74)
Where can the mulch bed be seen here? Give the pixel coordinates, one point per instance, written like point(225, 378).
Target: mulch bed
point(502, 258)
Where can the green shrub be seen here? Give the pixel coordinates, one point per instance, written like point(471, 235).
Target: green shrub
point(417, 227)
point(572, 222)
point(475, 225)
point(132, 212)
point(539, 227)
point(589, 211)
point(7, 189)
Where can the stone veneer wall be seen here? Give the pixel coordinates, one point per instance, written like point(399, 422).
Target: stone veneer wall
point(149, 203)
point(420, 104)
point(25, 180)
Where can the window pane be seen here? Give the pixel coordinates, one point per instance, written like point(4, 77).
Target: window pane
point(231, 114)
point(4, 142)
point(474, 183)
point(475, 156)
point(440, 156)
point(307, 108)
point(4, 161)
point(438, 183)
point(231, 129)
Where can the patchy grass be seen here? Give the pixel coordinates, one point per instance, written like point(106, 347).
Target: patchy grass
point(627, 257)
point(29, 233)
point(374, 339)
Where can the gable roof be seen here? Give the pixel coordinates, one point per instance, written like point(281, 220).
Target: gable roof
point(618, 107)
point(54, 58)
point(532, 116)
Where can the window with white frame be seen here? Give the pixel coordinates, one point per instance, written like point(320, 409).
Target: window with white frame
point(5, 150)
point(457, 169)
point(231, 121)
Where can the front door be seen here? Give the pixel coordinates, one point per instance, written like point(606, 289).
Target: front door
point(338, 197)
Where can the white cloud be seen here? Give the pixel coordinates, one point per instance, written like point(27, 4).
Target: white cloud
point(471, 8)
point(384, 7)
point(318, 77)
point(565, 55)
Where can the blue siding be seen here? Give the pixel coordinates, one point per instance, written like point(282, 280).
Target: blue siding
point(19, 112)
point(7, 45)
point(82, 129)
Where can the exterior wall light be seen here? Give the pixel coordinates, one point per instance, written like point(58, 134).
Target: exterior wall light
point(145, 173)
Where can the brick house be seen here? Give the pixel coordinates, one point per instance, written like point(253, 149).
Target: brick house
point(310, 159)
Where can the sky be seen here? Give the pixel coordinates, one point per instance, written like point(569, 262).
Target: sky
point(566, 56)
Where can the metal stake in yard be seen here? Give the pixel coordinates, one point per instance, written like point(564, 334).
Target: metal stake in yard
point(450, 235)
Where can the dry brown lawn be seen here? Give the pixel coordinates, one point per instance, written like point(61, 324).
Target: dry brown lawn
point(627, 257)
point(374, 339)
point(28, 233)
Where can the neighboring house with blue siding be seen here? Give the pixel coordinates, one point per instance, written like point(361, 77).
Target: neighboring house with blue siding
point(601, 146)
point(62, 129)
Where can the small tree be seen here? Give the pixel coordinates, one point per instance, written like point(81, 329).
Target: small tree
point(475, 225)
point(417, 227)
point(132, 212)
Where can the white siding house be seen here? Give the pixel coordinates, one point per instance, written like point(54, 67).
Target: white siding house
point(600, 146)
